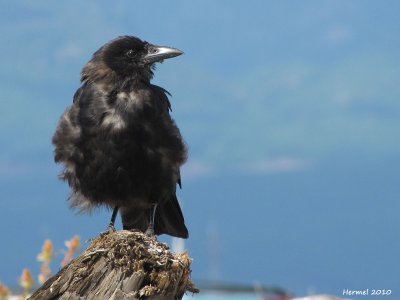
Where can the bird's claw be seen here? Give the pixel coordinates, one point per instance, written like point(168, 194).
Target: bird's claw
point(150, 232)
point(110, 229)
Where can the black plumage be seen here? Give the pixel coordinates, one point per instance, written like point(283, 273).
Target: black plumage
point(118, 143)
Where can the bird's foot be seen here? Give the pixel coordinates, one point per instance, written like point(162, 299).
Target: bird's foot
point(150, 232)
point(110, 229)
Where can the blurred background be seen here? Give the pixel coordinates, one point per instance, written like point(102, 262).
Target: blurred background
point(290, 109)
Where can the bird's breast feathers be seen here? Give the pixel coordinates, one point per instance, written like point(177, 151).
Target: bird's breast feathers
point(117, 114)
point(116, 110)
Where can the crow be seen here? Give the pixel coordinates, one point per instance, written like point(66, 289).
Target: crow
point(118, 143)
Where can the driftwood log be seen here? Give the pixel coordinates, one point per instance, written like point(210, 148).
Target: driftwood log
point(122, 265)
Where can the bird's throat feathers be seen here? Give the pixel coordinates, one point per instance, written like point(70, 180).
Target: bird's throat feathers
point(97, 71)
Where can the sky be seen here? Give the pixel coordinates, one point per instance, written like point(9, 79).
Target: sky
point(290, 110)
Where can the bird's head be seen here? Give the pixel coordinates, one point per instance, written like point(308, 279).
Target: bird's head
point(127, 56)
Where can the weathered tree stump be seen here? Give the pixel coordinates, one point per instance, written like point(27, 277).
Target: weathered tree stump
point(122, 265)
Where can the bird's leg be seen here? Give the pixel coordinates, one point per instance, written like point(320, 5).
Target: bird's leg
point(111, 227)
point(150, 229)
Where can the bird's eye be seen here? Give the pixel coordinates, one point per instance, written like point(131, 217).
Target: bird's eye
point(153, 50)
point(130, 53)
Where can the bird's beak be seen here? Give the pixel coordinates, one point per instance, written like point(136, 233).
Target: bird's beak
point(159, 53)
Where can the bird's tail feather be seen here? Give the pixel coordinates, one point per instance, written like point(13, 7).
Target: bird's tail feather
point(169, 219)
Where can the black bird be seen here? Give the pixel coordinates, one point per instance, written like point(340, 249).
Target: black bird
point(118, 143)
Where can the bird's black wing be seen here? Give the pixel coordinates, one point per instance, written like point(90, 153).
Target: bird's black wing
point(68, 132)
point(78, 93)
point(66, 140)
point(169, 217)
